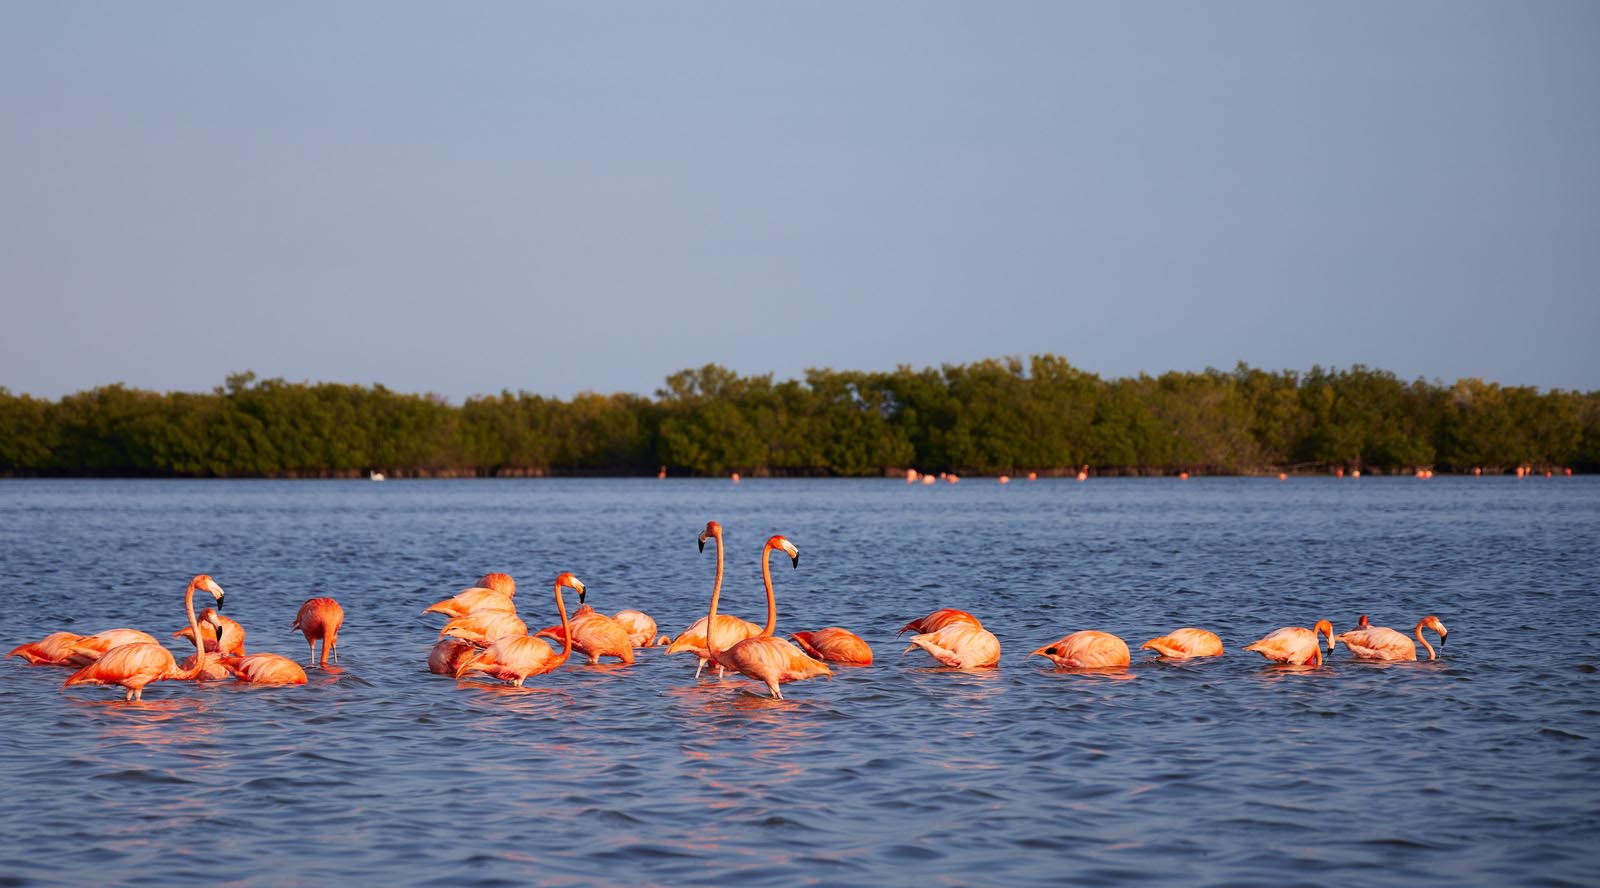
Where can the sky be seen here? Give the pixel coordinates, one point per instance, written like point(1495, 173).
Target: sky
point(563, 197)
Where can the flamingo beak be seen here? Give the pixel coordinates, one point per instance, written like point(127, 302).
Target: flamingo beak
point(796, 559)
point(219, 602)
point(581, 593)
point(1442, 637)
point(702, 542)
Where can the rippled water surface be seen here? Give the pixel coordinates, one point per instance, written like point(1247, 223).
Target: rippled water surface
point(1481, 767)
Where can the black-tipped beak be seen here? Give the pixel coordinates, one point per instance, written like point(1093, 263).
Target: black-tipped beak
point(1442, 637)
point(219, 603)
point(796, 560)
point(581, 593)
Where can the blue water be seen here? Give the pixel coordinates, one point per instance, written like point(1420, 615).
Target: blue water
point(1480, 768)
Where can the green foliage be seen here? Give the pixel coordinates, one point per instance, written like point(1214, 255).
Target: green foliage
point(989, 417)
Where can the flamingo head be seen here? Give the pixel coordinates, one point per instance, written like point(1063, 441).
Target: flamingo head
point(571, 582)
point(1432, 622)
point(204, 581)
point(779, 541)
point(1363, 623)
point(499, 582)
point(210, 618)
point(713, 530)
point(1324, 626)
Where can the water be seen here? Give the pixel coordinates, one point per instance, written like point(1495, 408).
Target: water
point(1479, 768)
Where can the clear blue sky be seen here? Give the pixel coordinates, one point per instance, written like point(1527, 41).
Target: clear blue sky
point(461, 198)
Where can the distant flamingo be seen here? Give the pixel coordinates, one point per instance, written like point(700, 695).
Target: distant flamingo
point(640, 626)
point(265, 669)
point(835, 645)
point(594, 635)
point(1183, 644)
point(1294, 645)
point(1087, 649)
point(482, 629)
point(320, 619)
point(1383, 643)
point(513, 659)
point(945, 616)
point(227, 640)
point(90, 648)
point(135, 665)
point(960, 644)
point(51, 650)
point(730, 629)
point(765, 657)
point(448, 654)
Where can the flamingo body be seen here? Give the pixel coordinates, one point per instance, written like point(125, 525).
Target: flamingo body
point(448, 654)
point(51, 650)
point(730, 631)
point(1087, 649)
point(483, 628)
point(595, 635)
point(835, 645)
point(320, 619)
point(1293, 645)
point(960, 644)
point(265, 669)
point(944, 616)
point(640, 626)
point(1383, 643)
point(478, 599)
point(139, 663)
point(92, 647)
point(770, 660)
point(1182, 644)
point(512, 659)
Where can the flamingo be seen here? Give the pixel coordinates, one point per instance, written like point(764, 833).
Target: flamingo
point(222, 634)
point(92, 647)
point(1383, 643)
point(493, 593)
point(482, 629)
point(1087, 649)
point(499, 582)
point(955, 639)
point(51, 650)
point(765, 657)
point(448, 654)
point(594, 635)
point(944, 616)
point(1182, 644)
point(513, 658)
point(640, 626)
point(1294, 645)
point(265, 669)
point(730, 629)
point(320, 619)
point(137, 664)
point(835, 645)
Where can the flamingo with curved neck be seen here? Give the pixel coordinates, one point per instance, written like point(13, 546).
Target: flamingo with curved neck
point(1383, 643)
point(1295, 645)
point(513, 658)
point(730, 629)
point(766, 658)
point(138, 664)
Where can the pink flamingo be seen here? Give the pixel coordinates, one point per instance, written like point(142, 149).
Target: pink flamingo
point(1294, 645)
point(265, 669)
point(1182, 644)
point(512, 659)
point(1087, 649)
point(320, 619)
point(765, 658)
point(51, 650)
point(835, 645)
point(944, 616)
point(1383, 643)
point(138, 664)
point(730, 629)
point(594, 635)
point(90, 648)
point(221, 634)
point(960, 644)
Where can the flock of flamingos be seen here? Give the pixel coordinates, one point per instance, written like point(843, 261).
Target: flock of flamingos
point(484, 636)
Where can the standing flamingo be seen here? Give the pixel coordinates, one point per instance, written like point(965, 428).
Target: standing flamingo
point(515, 657)
point(1087, 649)
point(730, 629)
point(219, 633)
point(835, 645)
point(135, 665)
point(944, 616)
point(765, 657)
point(1294, 645)
point(320, 619)
point(1383, 643)
point(1185, 643)
point(265, 669)
point(90, 648)
point(594, 635)
point(51, 650)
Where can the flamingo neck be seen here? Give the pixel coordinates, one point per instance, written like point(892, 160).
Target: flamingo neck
point(716, 594)
point(1424, 641)
point(566, 629)
point(772, 600)
point(199, 646)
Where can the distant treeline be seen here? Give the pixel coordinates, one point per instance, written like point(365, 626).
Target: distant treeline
point(990, 417)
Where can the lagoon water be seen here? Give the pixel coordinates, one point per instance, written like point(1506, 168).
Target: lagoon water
point(1480, 768)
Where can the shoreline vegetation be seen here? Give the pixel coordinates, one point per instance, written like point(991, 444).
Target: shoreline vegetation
point(991, 417)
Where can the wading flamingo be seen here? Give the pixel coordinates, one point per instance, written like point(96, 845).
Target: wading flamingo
point(1294, 645)
point(227, 640)
point(135, 665)
point(1087, 649)
point(765, 658)
point(1185, 643)
point(448, 654)
point(320, 619)
point(730, 629)
point(944, 616)
point(1383, 643)
point(594, 635)
point(513, 658)
point(493, 593)
point(92, 647)
point(265, 669)
point(483, 629)
point(835, 645)
point(51, 650)
point(640, 626)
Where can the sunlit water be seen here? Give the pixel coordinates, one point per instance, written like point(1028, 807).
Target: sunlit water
point(1481, 767)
